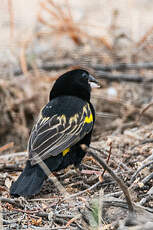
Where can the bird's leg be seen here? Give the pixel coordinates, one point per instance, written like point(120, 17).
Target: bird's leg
point(78, 169)
point(79, 157)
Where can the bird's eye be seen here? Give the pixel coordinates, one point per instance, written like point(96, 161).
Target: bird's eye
point(85, 75)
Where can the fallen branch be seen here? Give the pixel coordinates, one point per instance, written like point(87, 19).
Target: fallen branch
point(46, 67)
point(123, 66)
point(98, 67)
point(122, 77)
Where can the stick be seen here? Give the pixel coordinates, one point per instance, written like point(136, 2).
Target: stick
point(11, 201)
point(12, 155)
point(81, 192)
point(121, 77)
point(10, 168)
point(116, 178)
point(147, 178)
point(7, 146)
point(117, 66)
point(139, 169)
point(47, 67)
point(1, 217)
point(110, 152)
point(123, 66)
point(144, 110)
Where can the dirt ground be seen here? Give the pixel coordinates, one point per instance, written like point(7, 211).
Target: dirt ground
point(39, 41)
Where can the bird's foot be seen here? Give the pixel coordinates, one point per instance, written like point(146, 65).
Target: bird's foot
point(78, 168)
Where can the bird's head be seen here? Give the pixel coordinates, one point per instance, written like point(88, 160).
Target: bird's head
point(77, 82)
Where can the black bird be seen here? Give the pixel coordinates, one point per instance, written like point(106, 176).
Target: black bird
point(64, 124)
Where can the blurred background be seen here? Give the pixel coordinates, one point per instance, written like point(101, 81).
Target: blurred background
point(42, 39)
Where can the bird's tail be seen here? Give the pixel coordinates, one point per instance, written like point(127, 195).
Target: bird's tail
point(29, 182)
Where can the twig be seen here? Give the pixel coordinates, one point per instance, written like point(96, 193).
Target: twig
point(146, 199)
point(80, 193)
point(91, 172)
point(147, 178)
point(86, 166)
point(110, 152)
point(47, 67)
point(1, 217)
point(10, 168)
point(144, 110)
point(115, 194)
point(43, 214)
point(150, 192)
point(11, 201)
point(142, 143)
point(125, 126)
point(51, 66)
point(148, 159)
point(107, 115)
point(54, 228)
point(145, 36)
point(116, 178)
point(139, 169)
point(6, 222)
point(123, 66)
point(12, 155)
point(141, 210)
point(79, 184)
point(99, 150)
point(122, 77)
point(116, 202)
point(23, 61)
point(7, 146)
point(11, 15)
point(70, 221)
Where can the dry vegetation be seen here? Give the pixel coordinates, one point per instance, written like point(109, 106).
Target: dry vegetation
point(123, 134)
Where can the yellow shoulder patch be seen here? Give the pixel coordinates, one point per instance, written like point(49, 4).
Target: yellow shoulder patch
point(88, 119)
point(65, 151)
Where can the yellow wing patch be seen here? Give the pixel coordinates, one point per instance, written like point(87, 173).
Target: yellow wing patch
point(63, 118)
point(88, 119)
point(74, 119)
point(65, 151)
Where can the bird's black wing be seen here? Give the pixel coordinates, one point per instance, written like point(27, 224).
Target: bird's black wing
point(62, 123)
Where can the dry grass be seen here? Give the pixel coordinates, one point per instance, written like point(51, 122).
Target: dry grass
point(61, 22)
point(11, 14)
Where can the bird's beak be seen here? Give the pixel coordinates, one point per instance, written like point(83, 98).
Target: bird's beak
point(93, 82)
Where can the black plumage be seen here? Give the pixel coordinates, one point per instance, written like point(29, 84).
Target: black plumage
point(63, 125)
